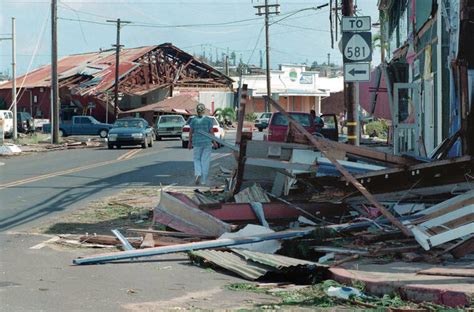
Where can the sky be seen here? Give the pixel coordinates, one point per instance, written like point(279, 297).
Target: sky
point(195, 26)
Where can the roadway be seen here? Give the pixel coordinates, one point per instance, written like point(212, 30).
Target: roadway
point(37, 186)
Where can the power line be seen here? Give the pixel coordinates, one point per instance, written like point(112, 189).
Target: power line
point(84, 21)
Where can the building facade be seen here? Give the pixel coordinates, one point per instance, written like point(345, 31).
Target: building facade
point(295, 88)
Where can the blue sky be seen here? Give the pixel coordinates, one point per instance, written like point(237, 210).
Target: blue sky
point(303, 37)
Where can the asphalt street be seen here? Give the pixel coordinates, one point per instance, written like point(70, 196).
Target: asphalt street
point(36, 187)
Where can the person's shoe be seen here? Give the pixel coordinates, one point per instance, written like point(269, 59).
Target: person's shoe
point(197, 180)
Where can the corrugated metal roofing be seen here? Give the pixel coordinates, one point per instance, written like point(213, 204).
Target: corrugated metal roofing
point(233, 263)
point(276, 261)
point(174, 104)
point(73, 64)
point(251, 264)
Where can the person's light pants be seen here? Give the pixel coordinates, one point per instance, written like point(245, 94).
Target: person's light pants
point(202, 160)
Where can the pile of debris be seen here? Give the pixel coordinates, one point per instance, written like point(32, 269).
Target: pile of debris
point(298, 212)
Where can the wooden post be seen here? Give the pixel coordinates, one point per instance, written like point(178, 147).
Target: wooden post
point(323, 148)
point(241, 113)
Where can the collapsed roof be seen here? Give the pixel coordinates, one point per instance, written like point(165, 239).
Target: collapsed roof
point(141, 70)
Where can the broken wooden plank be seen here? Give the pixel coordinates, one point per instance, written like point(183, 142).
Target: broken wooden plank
point(107, 240)
point(148, 241)
point(461, 272)
point(255, 193)
point(218, 243)
point(323, 146)
point(168, 233)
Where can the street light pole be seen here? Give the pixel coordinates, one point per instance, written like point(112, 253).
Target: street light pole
point(117, 63)
point(15, 130)
point(54, 72)
point(266, 11)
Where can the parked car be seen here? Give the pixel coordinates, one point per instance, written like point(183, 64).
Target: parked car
point(262, 121)
point(330, 129)
point(169, 126)
point(7, 117)
point(129, 132)
point(278, 126)
point(81, 125)
point(217, 129)
point(24, 122)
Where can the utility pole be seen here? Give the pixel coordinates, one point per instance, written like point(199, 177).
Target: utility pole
point(54, 73)
point(15, 130)
point(351, 109)
point(226, 64)
point(117, 63)
point(265, 10)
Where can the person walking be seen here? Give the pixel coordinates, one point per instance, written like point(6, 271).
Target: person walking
point(201, 144)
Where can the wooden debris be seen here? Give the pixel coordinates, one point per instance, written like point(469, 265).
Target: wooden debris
point(107, 240)
point(148, 241)
point(252, 194)
point(463, 248)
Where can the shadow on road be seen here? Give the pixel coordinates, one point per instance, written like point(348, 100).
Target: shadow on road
point(158, 173)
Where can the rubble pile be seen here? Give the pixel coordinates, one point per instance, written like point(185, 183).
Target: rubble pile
point(304, 213)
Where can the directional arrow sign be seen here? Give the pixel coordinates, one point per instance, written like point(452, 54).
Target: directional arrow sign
point(356, 72)
point(357, 46)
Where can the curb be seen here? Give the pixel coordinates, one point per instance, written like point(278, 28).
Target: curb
point(415, 293)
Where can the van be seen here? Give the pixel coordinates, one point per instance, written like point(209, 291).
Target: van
point(278, 126)
point(7, 117)
point(326, 128)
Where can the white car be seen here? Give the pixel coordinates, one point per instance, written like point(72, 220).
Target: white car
point(217, 129)
point(7, 117)
point(262, 121)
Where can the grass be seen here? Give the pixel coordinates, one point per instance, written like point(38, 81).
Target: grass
point(315, 297)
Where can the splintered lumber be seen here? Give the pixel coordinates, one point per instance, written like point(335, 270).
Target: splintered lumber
point(168, 233)
point(218, 243)
point(444, 222)
point(323, 146)
point(107, 240)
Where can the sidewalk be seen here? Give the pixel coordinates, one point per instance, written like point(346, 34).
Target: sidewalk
point(402, 278)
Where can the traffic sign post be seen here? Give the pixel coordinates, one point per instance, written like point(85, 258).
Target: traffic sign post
point(357, 53)
point(356, 72)
point(352, 23)
point(357, 47)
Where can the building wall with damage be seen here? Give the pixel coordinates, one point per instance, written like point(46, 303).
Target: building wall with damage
point(417, 55)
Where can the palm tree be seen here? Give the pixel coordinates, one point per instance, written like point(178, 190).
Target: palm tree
point(225, 115)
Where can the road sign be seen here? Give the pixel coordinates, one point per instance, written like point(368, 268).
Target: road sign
point(357, 46)
point(359, 23)
point(356, 72)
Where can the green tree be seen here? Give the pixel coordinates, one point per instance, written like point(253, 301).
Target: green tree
point(225, 115)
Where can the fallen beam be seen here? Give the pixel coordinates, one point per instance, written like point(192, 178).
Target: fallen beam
point(125, 243)
point(221, 142)
point(218, 243)
point(323, 147)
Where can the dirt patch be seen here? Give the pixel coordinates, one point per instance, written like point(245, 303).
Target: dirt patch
point(131, 208)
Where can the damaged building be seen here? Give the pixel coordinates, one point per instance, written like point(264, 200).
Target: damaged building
point(424, 84)
point(147, 75)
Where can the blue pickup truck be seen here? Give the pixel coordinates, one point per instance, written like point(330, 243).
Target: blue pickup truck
point(81, 125)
